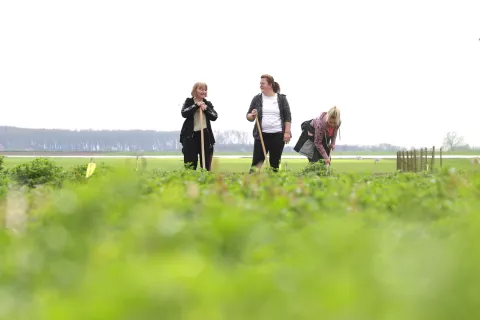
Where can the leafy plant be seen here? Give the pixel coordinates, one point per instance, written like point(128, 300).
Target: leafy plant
point(3, 177)
point(316, 169)
point(38, 172)
point(203, 245)
point(78, 172)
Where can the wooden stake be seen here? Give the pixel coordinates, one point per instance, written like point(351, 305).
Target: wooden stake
point(202, 139)
point(261, 138)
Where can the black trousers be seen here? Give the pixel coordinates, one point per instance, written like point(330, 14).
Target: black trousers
point(317, 156)
point(192, 151)
point(274, 145)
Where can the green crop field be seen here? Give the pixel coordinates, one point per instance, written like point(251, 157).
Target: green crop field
point(243, 164)
point(167, 243)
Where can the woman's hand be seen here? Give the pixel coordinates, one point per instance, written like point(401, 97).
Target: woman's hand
point(286, 137)
point(252, 115)
point(201, 105)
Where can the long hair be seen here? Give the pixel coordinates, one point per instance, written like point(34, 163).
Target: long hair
point(334, 113)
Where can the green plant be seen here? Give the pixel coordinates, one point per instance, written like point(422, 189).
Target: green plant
point(3, 177)
point(77, 173)
point(316, 169)
point(202, 245)
point(39, 171)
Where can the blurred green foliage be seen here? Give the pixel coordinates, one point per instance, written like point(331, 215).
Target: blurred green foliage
point(3, 177)
point(201, 245)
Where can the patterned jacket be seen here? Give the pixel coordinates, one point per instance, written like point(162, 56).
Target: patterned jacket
point(314, 133)
point(285, 114)
point(321, 132)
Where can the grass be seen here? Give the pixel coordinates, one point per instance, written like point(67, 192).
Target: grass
point(243, 165)
point(243, 153)
point(177, 244)
point(222, 165)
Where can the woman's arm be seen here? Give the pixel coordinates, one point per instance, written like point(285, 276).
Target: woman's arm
point(210, 112)
point(287, 116)
point(318, 143)
point(189, 108)
point(250, 116)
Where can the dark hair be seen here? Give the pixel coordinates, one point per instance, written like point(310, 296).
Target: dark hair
point(275, 85)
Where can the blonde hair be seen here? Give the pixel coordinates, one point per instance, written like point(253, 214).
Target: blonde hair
point(334, 113)
point(199, 85)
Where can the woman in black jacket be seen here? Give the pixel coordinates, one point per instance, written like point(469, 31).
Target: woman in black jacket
point(190, 135)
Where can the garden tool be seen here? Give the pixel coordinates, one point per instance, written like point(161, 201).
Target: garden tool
point(261, 138)
point(202, 139)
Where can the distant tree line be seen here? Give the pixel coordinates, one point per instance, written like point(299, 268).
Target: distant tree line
point(16, 139)
point(25, 139)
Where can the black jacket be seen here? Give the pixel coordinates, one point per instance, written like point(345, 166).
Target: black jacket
point(188, 111)
point(285, 114)
point(306, 127)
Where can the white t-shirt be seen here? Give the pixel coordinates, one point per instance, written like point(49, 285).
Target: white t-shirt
point(271, 121)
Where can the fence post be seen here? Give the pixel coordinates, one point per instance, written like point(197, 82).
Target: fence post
point(398, 160)
point(421, 159)
point(410, 161)
point(441, 162)
point(403, 161)
point(406, 161)
point(433, 157)
point(426, 159)
point(415, 160)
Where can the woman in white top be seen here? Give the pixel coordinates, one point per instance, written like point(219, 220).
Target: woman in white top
point(275, 119)
point(190, 135)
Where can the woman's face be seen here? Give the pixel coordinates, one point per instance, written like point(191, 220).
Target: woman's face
point(201, 92)
point(264, 86)
point(332, 122)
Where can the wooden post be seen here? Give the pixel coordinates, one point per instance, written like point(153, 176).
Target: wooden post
point(406, 161)
point(403, 161)
point(427, 165)
point(409, 161)
point(415, 160)
point(421, 159)
point(398, 160)
point(441, 162)
point(433, 157)
point(425, 153)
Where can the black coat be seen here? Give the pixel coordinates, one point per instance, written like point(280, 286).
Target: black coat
point(188, 111)
point(305, 144)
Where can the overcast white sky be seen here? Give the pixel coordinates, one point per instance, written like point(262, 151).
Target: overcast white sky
point(402, 72)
